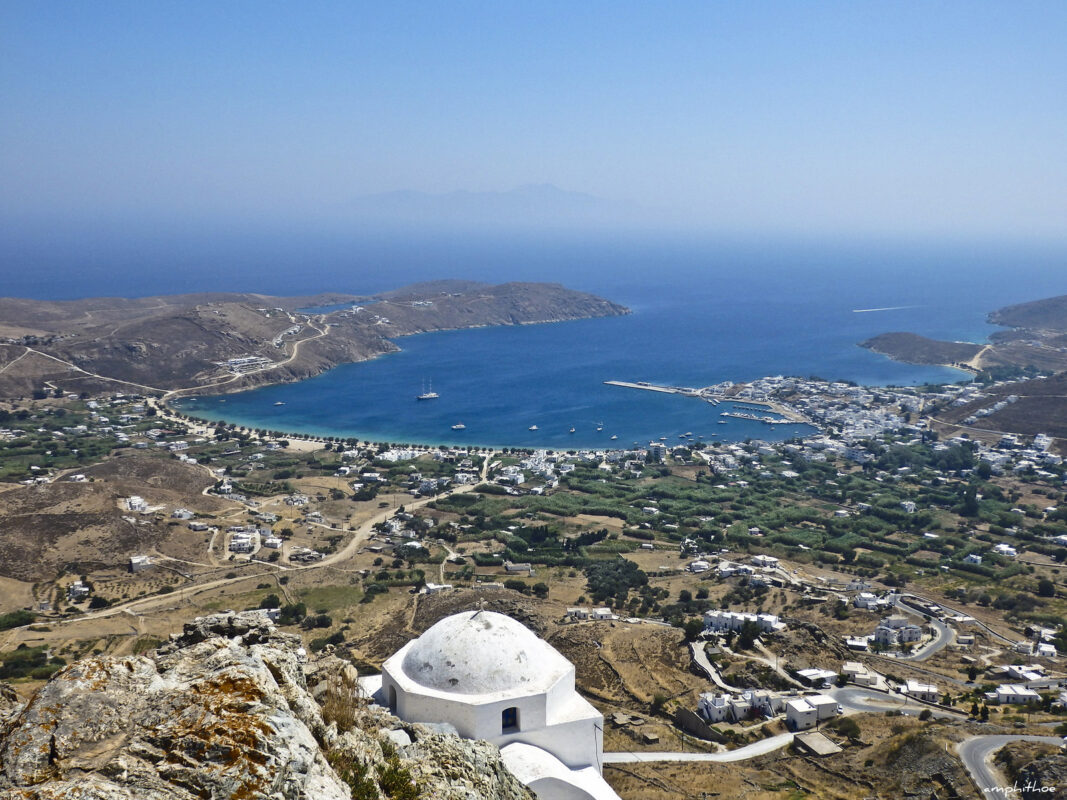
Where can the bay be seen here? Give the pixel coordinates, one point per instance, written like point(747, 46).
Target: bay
point(702, 314)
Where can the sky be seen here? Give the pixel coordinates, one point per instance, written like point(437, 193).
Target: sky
point(853, 118)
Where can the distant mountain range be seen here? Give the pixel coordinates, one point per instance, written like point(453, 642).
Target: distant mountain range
point(529, 205)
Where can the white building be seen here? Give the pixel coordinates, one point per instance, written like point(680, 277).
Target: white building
point(750, 704)
point(492, 678)
point(824, 705)
point(861, 676)
point(896, 630)
point(138, 563)
point(800, 715)
point(1013, 693)
point(722, 621)
point(767, 562)
point(922, 691)
point(817, 677)
point(869, 601)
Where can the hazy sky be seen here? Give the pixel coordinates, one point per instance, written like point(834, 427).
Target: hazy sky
point(853, 117)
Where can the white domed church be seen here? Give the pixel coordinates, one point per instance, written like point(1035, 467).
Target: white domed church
point(492, 678)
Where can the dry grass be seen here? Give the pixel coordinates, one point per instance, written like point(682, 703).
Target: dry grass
point(342, 702)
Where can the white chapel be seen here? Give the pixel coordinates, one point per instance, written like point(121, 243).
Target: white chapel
point(492, 678)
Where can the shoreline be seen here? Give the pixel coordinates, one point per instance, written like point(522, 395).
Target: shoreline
point(965, 367)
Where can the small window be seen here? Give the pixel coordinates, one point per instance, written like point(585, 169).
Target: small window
point(509, 720)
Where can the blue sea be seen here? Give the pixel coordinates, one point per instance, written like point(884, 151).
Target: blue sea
point(704, 311)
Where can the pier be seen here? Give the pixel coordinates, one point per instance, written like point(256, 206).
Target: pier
point(650, 387)
point(715, 396)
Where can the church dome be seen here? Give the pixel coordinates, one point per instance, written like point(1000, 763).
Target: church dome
point(482, 652)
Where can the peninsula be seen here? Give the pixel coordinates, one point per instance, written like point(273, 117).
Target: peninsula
point(1037, 339)
point(1033, 346)
point(211, 343)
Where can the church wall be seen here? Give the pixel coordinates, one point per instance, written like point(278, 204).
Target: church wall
point(560, 695)
point(472, 720)
point(577, 744)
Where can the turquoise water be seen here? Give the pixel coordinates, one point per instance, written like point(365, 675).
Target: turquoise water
point(697, 320)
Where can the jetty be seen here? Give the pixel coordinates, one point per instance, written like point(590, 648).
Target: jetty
point(715, 395)
point(651, 387)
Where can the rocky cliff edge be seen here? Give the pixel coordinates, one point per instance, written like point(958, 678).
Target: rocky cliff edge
point(228, 710)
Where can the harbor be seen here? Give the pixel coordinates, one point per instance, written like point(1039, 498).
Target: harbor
point(747, 409)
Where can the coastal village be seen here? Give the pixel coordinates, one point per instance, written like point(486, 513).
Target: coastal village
point(882, 565)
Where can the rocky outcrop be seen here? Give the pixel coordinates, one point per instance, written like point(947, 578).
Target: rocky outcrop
point(1035, 769)
point(224, 710)
point(1044, 777)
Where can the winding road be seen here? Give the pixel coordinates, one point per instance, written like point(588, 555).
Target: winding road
point(976, 754)
point(944, 635)
point(857, 698)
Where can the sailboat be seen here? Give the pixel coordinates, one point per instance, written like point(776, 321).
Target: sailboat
point(427, 395)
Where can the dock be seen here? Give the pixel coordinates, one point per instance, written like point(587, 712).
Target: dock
point(714, 396)
point(651, 387)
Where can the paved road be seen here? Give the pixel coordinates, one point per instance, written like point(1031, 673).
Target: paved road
point(740, 754)
point(857, 698)
point(943, 634)
point(958, 613)
point(976, 753)
point(701, 658)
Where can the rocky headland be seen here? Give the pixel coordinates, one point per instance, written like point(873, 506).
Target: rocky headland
point(1037, 340)
point(186, 343)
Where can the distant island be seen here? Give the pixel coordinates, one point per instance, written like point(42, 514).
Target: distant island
point(212, 342)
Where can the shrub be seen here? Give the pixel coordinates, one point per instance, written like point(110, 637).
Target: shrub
point(846, 726)
point(16, 619)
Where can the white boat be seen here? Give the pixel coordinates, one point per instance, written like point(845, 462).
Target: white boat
point(533, 427)
point(600, 427)
point(427, 395)
point(459, 426)
point(279, 403)
point(572, 430)
point(614, 436)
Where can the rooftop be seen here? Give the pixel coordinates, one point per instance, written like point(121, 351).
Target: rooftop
point(482, 652)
